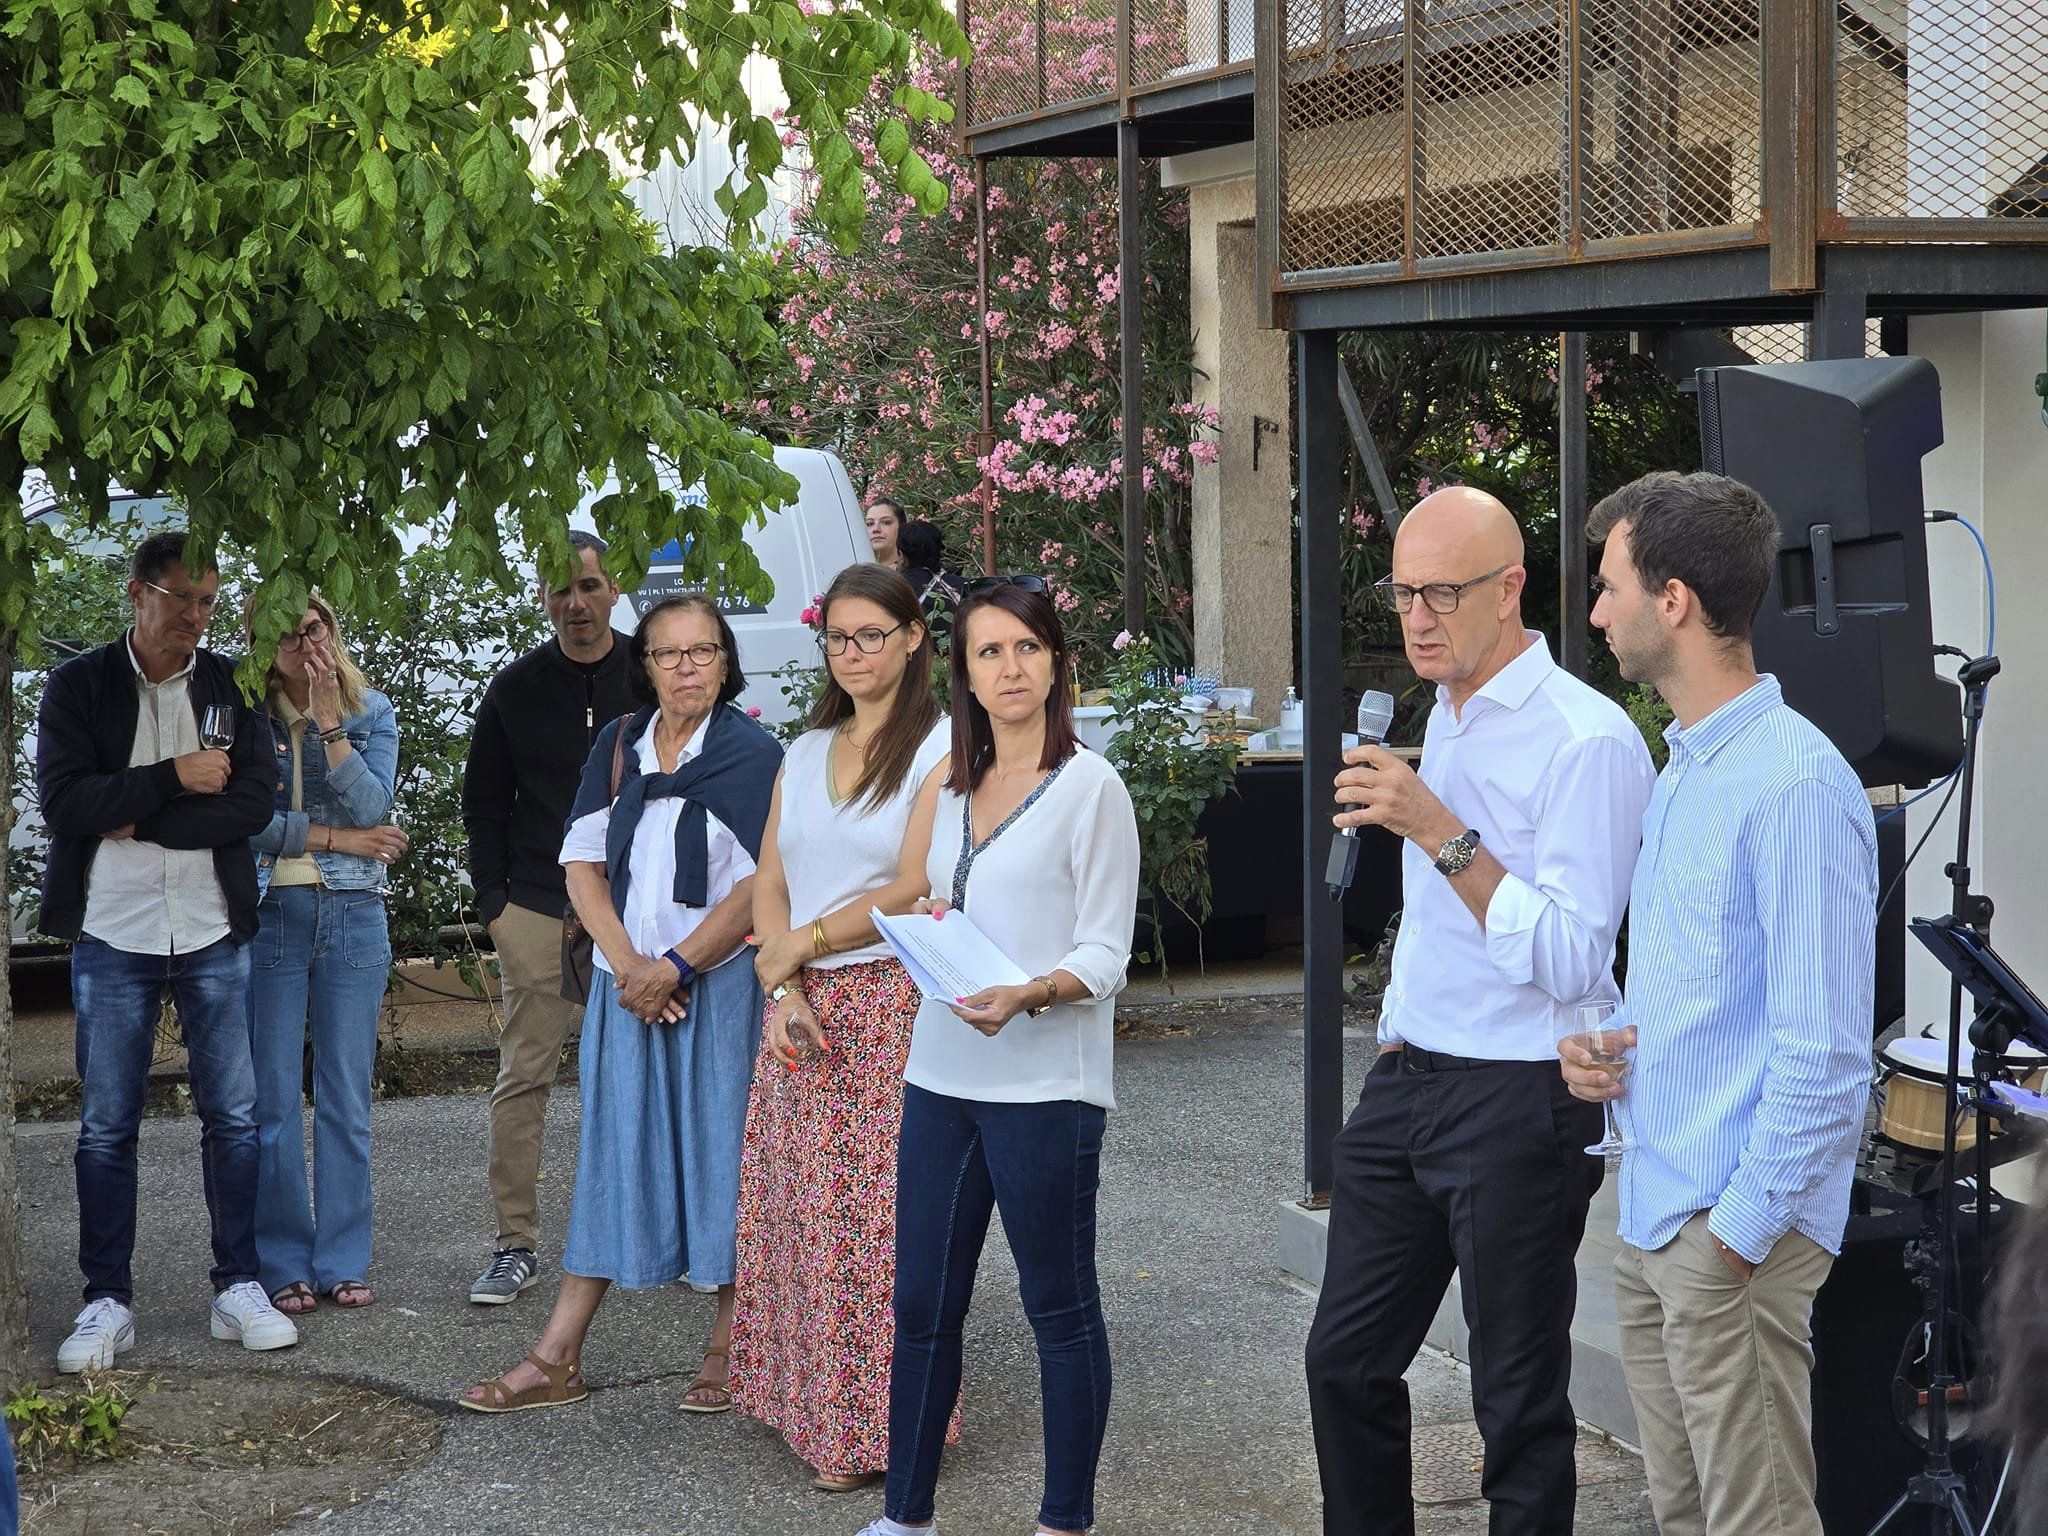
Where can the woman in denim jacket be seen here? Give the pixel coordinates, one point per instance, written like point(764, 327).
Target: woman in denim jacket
point(322, 955)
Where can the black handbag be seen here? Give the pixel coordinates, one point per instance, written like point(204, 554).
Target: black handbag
point(578, 964)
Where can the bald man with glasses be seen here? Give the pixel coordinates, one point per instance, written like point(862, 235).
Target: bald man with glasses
point(1465, 1152)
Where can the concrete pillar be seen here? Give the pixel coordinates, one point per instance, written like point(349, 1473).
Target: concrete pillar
point(1241, 516)
point(1990, 468)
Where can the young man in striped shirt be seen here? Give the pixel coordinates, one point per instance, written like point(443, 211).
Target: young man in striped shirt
point(1752, 922)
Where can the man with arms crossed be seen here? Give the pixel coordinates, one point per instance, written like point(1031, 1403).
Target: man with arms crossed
point(1751, 968)
point(533, 733)
point(1465, 1152)
point(150, 877)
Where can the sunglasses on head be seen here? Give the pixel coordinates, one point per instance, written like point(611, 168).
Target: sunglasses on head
point(982, 584)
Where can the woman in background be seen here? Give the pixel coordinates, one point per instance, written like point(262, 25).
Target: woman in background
point(321, 961)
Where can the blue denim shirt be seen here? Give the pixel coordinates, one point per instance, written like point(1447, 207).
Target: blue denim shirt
point(357, 793)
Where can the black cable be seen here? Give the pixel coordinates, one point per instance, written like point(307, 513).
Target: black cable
point(1933, 821)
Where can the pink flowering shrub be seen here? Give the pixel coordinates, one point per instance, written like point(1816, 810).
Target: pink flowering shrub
point(880, 364)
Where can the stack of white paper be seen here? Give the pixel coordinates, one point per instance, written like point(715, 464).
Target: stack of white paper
point(949, 958)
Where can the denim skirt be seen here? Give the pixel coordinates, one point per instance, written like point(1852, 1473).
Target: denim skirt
point(664, 1119)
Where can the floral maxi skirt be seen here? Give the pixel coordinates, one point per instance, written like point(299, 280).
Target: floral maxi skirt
point(812, 1332)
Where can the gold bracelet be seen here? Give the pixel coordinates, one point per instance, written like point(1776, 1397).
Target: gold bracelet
point(820, 945)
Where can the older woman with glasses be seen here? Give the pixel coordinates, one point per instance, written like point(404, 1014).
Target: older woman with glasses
point(321, 962)
point(660, 853)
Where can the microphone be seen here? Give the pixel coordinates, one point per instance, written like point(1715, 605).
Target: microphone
point(1375, 715)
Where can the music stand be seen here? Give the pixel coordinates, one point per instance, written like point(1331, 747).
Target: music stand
point(2007, 1008)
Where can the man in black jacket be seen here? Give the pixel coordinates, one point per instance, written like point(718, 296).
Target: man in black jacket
point(150, 876)
point(533, 733)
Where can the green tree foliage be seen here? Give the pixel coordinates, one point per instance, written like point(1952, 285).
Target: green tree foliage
point(313, 280)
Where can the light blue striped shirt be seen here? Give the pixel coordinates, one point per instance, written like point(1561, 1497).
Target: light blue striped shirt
point(1752, 951)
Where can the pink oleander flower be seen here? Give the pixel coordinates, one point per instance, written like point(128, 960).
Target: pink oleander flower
point(753, 711)
point(808, 616)
point(1123, 638)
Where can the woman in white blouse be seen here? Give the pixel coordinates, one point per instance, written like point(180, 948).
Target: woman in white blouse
point(1006, 1092)
point(660, 854)
point(811, 1331)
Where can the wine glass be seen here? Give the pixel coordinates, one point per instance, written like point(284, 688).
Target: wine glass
point(217, 726)
point(1592, 1026)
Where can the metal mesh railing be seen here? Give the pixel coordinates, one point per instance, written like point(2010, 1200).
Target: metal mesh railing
point(1172, 39)
point(1344, 134)
point(1672, 114)
point(1456, 144)
point(1941, 110)
point(1489, 143)
point(1790, 342)
point(1035, 56)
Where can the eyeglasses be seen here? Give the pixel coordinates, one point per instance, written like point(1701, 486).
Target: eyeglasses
point(186, 599)
point(669, 657)
point(867, 641)
point(1441, 596)
point(982, 584)
point(314, 633)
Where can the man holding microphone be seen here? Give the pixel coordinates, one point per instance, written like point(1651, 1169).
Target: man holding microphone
point(1465, 1149)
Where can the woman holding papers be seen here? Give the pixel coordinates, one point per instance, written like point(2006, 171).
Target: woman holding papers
point(811, 1332)
point(660, 852)
point(1031, 838)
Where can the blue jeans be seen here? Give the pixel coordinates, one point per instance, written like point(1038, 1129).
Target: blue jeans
point(10, 1502)
point(322, 958)
point(1040, 1164)
point(119, 997)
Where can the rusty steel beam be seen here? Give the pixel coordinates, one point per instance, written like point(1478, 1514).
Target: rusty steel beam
point(1791, 126)
point(1269, 164)
point(986, 443)
point(1130, 295)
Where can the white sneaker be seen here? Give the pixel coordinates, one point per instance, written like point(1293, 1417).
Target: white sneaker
point(244, 1312)
point(887, 1527)
point(103, 1330)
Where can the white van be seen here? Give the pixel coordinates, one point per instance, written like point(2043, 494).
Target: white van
point(801, 547)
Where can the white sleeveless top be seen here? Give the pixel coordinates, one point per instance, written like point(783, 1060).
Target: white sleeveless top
point(832, 853)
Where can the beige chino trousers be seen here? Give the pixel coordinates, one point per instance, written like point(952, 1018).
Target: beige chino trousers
point(1720, 1371)
point(537, 1022)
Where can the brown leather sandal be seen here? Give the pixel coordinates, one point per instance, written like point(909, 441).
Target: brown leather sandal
point(564, 1385)
point(352, 1294)
point(296, 1299)
point(706, 1386)
point(843, 1482)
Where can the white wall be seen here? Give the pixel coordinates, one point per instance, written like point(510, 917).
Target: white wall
point(1993, 469)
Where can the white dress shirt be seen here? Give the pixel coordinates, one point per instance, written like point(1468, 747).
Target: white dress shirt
point(1555, 778)
point(1056, 888)
point(655, 921)
point(835, 850)
point(142, 897)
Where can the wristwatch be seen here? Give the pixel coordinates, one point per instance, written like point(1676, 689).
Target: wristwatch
point(782, 990)
point(1452, 858)
point(685, 972)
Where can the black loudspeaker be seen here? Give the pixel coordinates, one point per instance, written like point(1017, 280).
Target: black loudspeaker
point(1835, 449)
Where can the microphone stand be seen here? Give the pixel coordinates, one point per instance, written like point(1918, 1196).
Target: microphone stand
point(1938, 1488)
